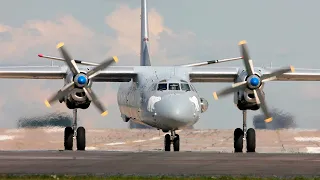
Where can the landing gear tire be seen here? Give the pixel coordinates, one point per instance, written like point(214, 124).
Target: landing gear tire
point(75, 132)
point(251, 140)
point(174, 139)
point(81, 139)
point(238, 140)
point(68, 138)
point(176, 143)
point(167, 142)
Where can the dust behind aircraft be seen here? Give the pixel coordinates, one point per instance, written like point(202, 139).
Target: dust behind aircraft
point(159, 96)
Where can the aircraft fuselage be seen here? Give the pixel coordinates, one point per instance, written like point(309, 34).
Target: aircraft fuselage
point(161, 97)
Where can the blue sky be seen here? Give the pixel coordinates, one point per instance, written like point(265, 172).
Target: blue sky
point(181, 31)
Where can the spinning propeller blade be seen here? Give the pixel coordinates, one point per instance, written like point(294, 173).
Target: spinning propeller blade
point(80, 80)
point(253, 81)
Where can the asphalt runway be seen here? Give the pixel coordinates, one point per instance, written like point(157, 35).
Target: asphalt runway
point(158, 163)
point(287, 152)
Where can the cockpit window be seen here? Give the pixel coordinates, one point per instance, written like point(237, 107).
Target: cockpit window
point(162, 86)
point(185, 87)
point(154, 87)
point(174, 86)
point(193, 88)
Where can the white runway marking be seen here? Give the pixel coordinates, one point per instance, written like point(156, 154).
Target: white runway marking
point(306, 139)
point(313, 149)
point(6, 137)
point(91, 148)
point(116, 143)
point(139, 141)
point(154, 138)
point(54, 129)
point(14, 130)
point(200, 131)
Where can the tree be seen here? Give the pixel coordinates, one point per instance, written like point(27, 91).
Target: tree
point(49, 120)
point(281, 120)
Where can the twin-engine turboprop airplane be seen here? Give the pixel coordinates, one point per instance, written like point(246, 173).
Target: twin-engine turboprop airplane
point(160, 96)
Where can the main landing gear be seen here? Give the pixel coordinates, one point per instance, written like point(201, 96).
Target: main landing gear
point(73, 132)
point(174, 139)
point(250, 136)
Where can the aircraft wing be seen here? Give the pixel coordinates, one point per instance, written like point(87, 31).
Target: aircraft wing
point(299, 74)
point(213, 74)
point(228, 74)
point(112, 74)
point(116, 74)
point(32, 72)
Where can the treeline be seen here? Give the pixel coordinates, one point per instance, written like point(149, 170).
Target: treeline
point(281, 120)
point(54, 119)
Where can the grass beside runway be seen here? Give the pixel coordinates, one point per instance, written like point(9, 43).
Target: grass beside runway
point(54, 177)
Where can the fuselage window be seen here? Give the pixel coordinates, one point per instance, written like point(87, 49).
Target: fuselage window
point(185, 87)
point(174, 86)
point(162, 86)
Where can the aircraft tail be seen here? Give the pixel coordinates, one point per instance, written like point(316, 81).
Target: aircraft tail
point(144, 49)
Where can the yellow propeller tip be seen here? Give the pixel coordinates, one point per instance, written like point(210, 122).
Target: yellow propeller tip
point(292, 68)
point(115, 58)
point(268, 120)
point(215, 96)
point(47, 103)
point(242, 42)
point(60, 45)
point(104, 113)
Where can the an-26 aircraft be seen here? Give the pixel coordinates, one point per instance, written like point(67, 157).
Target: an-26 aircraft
point(160, 96)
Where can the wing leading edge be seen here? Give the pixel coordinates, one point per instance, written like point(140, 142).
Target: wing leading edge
point(113, 74)
point(228, 74)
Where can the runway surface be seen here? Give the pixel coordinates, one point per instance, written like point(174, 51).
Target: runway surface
point(158, 163)
point(268, 141)
point(140, 152)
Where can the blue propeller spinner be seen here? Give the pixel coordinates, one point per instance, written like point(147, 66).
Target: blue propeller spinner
point(82, 80)
point(254, 81)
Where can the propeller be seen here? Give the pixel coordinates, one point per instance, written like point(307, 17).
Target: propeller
point(80, 80)
point(253, 81)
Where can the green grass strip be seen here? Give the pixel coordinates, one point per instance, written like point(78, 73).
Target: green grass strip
point(55, 177)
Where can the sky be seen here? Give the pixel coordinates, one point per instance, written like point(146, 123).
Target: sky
point(278, 33)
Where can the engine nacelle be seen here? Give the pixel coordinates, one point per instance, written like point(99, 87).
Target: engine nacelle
point(245, 99)
point(204, 105)
point(78, 95)
point(77, 98)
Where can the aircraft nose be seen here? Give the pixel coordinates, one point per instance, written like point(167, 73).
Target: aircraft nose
point(178, 110)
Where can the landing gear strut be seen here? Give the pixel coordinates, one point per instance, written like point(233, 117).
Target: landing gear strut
point(75, 132)
point(243, 134)
point(174, 139)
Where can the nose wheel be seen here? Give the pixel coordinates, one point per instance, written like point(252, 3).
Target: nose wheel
point(173, 139)
point(74, 132)
point(241, 135)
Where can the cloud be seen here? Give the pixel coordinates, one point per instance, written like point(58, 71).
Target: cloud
point(25, 42)
point(83, 42)
point(126, 22)
point(165, 44)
